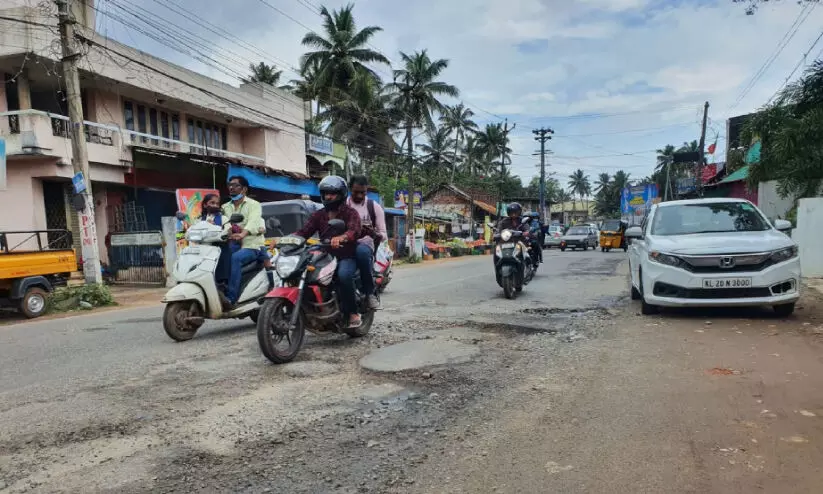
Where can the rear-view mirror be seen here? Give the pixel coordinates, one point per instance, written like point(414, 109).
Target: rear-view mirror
point(273, 223)
point(783, 225)
point(236, 218)
point(634, 232)
point(337, 227)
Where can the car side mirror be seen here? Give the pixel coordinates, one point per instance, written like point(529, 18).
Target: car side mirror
point(337, 227)
point(782, 225)
point(236, 218)
point(634, 232)
point(180, 215)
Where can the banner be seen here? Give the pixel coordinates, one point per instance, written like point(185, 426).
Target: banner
point(636, 200)
point(189, 202)
point(401, 199)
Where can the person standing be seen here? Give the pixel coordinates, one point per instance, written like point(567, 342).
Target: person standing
point(373, 224)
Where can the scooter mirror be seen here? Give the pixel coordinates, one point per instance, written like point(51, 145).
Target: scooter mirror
point(273, 223)
point(180, 215)
point(337, 227)
point(525, 220)
point(236, 218)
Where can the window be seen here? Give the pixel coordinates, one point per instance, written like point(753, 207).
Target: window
point(141, 120)
point(190, 127)
point(164, 127)
point(199, 132)
point(128, 115)
point(224, 142)
point(207, 134)
point(153, 124)
point(175, 127)
point(708, 218)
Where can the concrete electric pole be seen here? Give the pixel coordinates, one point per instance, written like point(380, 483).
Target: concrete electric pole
point(702, 151)
point(506, 131)
point(80, 156)
point(541, 136)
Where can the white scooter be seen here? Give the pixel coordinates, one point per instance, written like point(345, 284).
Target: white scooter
point(196, 297)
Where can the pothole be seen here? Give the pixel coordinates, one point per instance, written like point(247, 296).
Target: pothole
point(510, 328)
point(568, 312)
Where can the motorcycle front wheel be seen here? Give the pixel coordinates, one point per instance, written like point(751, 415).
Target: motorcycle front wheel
point(508, 287)
point(274, 315)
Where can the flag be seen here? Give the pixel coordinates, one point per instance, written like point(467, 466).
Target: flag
point(712, 147)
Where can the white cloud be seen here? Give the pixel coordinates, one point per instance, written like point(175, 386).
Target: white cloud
point(660, 61)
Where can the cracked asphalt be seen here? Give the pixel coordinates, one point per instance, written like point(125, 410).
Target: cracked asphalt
point(569, 390)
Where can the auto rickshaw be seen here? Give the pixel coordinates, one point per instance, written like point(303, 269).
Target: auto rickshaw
point(613, 235)
point(32, 264)
point(283, 218)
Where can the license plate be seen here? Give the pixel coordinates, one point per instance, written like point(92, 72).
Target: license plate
point(727, 283)
point(509, 245)
point(195, 251)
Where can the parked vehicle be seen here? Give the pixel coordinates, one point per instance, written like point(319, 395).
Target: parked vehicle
point(713, 252)
point(196, 297)
point(553, 235)
point(291, 215)
point(307, 300)
point(579, 237)
point(30, 270)
point(613, 235)
point(383, 267)
point(513, 266)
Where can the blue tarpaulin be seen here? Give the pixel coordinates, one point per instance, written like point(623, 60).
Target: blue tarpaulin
point(275, 183)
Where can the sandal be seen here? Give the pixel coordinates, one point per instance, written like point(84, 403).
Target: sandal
point(355, 322)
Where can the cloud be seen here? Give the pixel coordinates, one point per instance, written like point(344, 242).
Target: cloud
point(590, 68)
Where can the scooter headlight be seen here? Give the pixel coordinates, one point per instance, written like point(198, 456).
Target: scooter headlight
point(498, 251)
point(506, 235)
point(285, 265)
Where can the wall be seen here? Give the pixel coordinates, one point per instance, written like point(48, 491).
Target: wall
point(105, 107)
point(770, 202)
point(254, 141)
point(23, 198)
point(807, 236)
point(285, 151)
point(235, 142)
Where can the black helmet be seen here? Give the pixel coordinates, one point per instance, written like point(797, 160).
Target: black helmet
point(514, 207)
point(333, 185)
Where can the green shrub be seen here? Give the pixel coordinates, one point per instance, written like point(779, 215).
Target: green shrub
point(75, 297)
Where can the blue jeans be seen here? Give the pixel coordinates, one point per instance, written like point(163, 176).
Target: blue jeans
point(345, 280)
point(238, 260)
point(365, 263)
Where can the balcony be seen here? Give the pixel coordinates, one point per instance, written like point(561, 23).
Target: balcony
point(39, 133)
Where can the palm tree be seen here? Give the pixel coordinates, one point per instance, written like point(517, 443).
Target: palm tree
point(341, 55)
point(689, 147)
point(363, 120)
point(563, 197)
point(306, 88)
point(415, 92)
point(621, 180)
point(458, 120)
point(263, 73)
point(494, 144)
point(603, 182)
point(472, 154)
point(664, 156)
point(437, 153)
point(579, 184)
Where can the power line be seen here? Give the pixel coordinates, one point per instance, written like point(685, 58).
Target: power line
point(800, 62)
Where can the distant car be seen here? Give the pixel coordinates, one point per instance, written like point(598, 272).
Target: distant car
point(579, 237)
point(553, 235)
point(713, 253)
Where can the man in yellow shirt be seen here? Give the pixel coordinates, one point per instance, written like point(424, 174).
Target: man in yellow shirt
point(251, 235)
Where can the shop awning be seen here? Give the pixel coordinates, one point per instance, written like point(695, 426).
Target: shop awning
point(276, 183)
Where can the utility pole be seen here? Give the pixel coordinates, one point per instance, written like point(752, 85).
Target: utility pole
point(702, 151)
point(80, 156)
point(542, 135)
point(506, 131)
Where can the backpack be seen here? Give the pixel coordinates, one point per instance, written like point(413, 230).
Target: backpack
point(373, 217)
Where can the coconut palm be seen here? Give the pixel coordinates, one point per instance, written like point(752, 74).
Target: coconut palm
point(263, 73)
point(664, 156)
point(579, 184)
point(438, 154)
point(458, 120)
point(341, 55)
point(494, 143)
point(416, 90)
point(603, 182)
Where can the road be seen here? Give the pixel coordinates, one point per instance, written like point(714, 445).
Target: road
point(570, 390)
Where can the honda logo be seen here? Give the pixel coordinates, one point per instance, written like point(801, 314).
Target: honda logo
point(727, 262)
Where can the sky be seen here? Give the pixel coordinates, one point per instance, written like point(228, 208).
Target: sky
point(614, 79)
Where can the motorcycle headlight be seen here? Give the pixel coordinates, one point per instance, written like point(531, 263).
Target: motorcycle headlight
point(285, 265)
point(506, 235)
point(784, 254)
point(666, 259)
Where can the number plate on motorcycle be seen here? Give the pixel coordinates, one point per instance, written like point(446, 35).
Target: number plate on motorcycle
point(194, 251)
point(290, 241)
point(509, 245)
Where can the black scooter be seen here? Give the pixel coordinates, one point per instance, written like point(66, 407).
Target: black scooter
point(513, 266)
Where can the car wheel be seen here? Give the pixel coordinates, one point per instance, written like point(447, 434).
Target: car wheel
point(784, 310)
point(585, 246)
point(645, 309)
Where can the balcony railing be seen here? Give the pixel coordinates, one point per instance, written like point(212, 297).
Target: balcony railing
point(105, 135)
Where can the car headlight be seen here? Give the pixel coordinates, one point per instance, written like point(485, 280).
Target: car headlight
point(285, 265)
point(666, 259)
point(784, 254)
point(506, 235)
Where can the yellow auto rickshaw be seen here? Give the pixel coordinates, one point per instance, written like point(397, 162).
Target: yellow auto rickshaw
point(613, 235)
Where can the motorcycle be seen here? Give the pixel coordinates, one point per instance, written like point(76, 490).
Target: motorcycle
point(307, 298)
point(513, 266)
point(383, 267)
point(196, 297)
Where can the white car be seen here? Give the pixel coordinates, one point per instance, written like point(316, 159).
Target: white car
point(713, 253)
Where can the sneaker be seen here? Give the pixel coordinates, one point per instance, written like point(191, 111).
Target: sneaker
point(355, 321)
point(373, 302)
point(225, 302)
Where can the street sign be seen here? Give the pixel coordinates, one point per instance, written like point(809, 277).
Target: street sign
point(79, 183)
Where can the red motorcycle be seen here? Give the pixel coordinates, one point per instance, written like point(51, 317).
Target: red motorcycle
point(307, 299)
point(383, 267)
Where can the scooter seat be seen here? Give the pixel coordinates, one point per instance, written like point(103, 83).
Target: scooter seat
point(251, 267)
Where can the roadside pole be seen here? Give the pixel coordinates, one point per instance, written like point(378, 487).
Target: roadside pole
point(702, 151)
point(80, 157)
point(506, 131)
point(542, 135)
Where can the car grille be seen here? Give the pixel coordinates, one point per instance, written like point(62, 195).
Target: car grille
point(673, 291)
point(743, 263)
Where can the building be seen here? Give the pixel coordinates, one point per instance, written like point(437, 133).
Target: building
point(151, 127)
point(457, 208)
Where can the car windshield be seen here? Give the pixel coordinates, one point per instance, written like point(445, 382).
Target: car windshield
point(611, 226)
point(578, 230)
point(708, 218)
